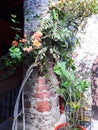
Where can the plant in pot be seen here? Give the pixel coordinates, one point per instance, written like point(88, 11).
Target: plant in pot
point(72, 89)
point(54, 41)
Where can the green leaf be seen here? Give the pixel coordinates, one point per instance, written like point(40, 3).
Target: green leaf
point(72, 77)
point(57, 70)
point(67, 74)
point(14, 16)
point(15, 52)
point(54, 14)
point(62, 66)
point(13, 20)
point(67, 84)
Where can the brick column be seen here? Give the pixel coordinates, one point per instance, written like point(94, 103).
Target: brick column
point(41, 103)
point(42, 106)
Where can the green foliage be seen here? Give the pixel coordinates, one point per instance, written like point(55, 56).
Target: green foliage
point(58, 36)
point(15, 23)
point(42, 53)
point(58, 30)
point(56, 39)
point(13, 18)
point(15, 52)
point(69, 81)
point(72, 90)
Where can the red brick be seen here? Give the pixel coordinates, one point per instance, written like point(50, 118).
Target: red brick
point(43, 106)
point(41, 88)
point(42, 95)
point(41, 80)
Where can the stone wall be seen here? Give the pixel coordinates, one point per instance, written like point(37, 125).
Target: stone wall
point(32, 9)
point(86, 53)
point(41, 106)
point(41, 102)
point(95, 83)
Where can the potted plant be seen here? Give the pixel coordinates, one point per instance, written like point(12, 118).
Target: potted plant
point(52, 42)
point(72, 89)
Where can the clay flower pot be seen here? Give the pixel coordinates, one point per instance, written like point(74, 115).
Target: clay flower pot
point(62, 125)
point(62, 108)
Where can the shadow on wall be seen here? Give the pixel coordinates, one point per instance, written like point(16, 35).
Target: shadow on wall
point(95, 89)
point(94, 81)
point(95, 112)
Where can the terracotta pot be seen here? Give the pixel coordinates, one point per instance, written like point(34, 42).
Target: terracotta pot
point(66, 124)
point(81, 127)
point(61, 125)
point(62, 108)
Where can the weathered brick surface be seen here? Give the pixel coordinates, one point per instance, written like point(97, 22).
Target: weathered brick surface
point(43, 106)
point(42, 95)
point(41, 88)
point(41, 81)
point(44, 111)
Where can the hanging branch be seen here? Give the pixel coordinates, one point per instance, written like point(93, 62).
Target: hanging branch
point(23, 110)
point(28, 73)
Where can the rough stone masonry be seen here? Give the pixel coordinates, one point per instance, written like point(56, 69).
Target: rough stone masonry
point(43, 109)
point(87, 52)
point(41, 102)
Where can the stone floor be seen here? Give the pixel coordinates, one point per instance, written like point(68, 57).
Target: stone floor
point(94, 124)
point(94, 118)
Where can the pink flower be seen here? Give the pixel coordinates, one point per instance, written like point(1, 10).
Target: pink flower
point(28, 49)
point(14, 43)
point(25, 36)
point(52, 5)
point(37, 36)
point(23, 40)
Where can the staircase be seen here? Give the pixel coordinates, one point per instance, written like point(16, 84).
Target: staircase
point(8, 93)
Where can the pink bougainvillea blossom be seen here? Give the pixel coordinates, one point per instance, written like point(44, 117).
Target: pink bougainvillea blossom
point(28, 49)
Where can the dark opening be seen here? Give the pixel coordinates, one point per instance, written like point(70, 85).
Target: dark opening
point(9, 87)
point(8, 7)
